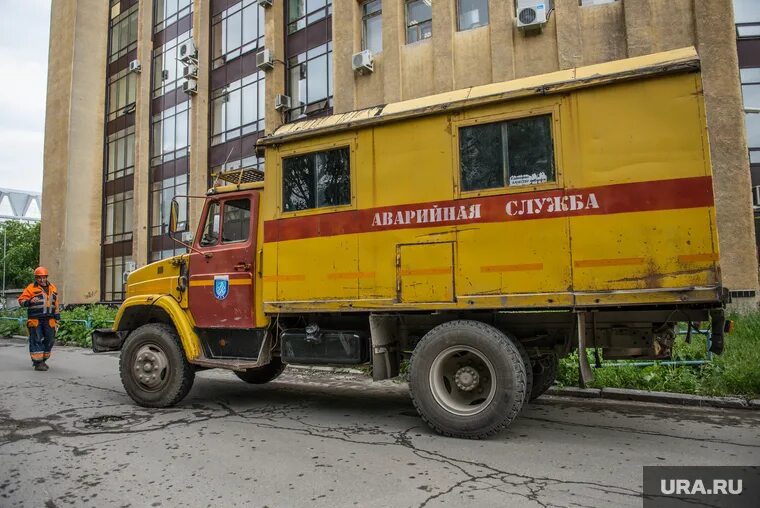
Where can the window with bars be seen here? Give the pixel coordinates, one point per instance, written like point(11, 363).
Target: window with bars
point(114, 268)
point(236, 31)
point(171, 133)
point(122, 88)
point(121, 154)
point(167, 12)
point(238, 109)
point(310, 81)
point(118, 219)
point(372, 26)
point(305, 12)
point(123, 33)
point(419, 20)
point(167, 69)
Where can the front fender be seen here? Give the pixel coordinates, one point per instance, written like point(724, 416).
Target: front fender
point(138, 310)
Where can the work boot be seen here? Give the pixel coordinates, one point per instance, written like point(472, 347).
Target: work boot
point(39, 367)
point(45, 366)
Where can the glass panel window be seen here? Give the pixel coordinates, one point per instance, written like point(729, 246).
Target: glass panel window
point(167, 12)
point(746, 11)
point(123, 33)
point(237, 220)
point(511, 153)
point(162, 193)
point(586, 3)
point(372, 26)
point(236, 109)
point(121, 154)
point(316, 180)
point(171, 128)
point(310, 83)
point(419, 20)
point(121, 93)
point(306, 12)
point(211, 226)
point(472, 13)
point(751, 95)
point(114, 277)
point(167, 69)
point(118, 217)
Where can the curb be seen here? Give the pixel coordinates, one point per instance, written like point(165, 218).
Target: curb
point(676, 399)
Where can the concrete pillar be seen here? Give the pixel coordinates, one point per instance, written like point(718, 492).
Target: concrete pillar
point(274, 39)
point(394, 36)
point(73, 164)
point(198, 163)
point(501, 24)
point(444, 27)
point(728, 147)
point(638, 27)
point(141, 194)
point(344, 44)
point(569, 35)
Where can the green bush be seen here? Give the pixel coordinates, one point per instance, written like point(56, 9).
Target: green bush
point(73, 327)
point(10, 324)
point(735, 372)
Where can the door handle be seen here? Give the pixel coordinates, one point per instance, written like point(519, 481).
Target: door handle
point(243, 267)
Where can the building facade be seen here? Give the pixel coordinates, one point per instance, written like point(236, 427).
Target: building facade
point(132, 122)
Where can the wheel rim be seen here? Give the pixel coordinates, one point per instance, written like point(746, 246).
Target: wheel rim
point(151, 367)
point(462, 380)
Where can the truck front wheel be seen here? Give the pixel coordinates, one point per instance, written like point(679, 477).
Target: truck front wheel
point(154, 370)
point(467, 379)
point(264, 374)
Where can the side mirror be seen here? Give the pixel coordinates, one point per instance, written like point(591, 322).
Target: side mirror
point(173, 217)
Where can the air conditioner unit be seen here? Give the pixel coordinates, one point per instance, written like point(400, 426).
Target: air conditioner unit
point(282, 102)
point(362, 61)
point(190, 86)
point(265, 3)
point(532, 14)
point(190, 71)
point(264, 60)
point(134, 66)
point(188, 52)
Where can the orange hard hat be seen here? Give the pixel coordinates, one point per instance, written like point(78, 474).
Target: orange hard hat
point(41, 271)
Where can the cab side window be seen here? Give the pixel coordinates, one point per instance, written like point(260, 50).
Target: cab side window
point(211, 228)
point(237, 220)
point(511, 153)
point(316, 180)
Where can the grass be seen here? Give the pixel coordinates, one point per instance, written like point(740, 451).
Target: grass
point(734, 373)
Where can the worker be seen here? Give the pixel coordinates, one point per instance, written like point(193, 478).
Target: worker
point(41, 301)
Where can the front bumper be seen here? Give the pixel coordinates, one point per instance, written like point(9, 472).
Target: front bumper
point(105, 339)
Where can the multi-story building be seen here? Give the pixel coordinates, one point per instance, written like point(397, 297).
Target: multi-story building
point(123, 136)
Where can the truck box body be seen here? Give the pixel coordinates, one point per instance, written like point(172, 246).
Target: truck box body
point(626, 218)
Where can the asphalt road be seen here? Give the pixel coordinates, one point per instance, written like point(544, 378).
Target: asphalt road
point(71, 436)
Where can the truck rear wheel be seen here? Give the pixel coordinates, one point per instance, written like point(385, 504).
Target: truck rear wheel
point(467, 379)
point(154, 370)
point(545, 369)
point(264, 374)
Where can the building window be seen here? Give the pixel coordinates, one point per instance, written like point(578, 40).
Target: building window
point(310, 82)
point(586, 3)
point(118, 217)
point(236, 31)
point(316, 180)
point(114, 277)
point(750, 78)
point(122, 88)
point(511, 153)
point(171, 130)
point(306, 12)
point(372, 26)
point(123, 32)
point(161, 195)
point(167, 12)
point(419, 20)
point(237, 109)
point(167, 69)
point(121, 154)
point(747, 18)
point(472, 13)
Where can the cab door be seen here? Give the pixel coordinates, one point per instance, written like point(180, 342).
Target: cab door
point(221, 269)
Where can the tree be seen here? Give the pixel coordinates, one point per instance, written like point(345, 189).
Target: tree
point(22, 252)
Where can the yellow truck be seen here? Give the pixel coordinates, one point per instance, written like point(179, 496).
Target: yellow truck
point(487, 232)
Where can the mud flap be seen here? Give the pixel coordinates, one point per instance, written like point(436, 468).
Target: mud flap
point(586, 375)
point(718, 319)
point(105, 339)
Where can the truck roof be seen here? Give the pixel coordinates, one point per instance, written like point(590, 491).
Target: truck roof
point(678, 60)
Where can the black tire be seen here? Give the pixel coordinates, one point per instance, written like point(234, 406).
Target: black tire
point(264, 374)
point(545, 370)
point(153, 366)
point(528, 368)
point(456, 404)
